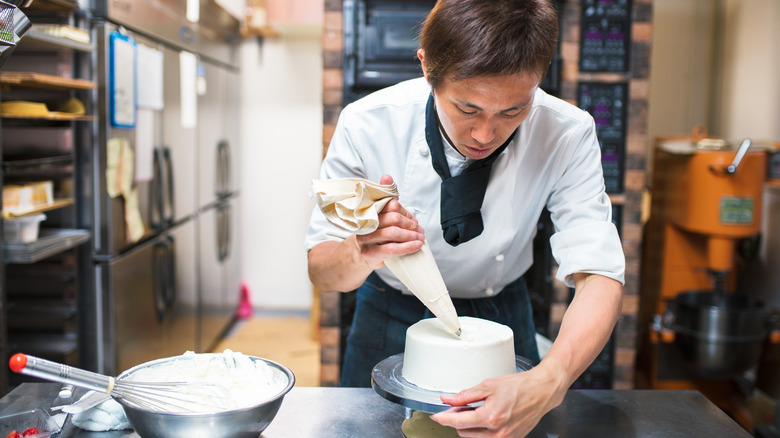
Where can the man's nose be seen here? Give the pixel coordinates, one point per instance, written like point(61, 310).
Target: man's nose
point(483, 131)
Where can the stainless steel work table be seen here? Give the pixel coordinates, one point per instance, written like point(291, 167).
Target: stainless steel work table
point(362, 413)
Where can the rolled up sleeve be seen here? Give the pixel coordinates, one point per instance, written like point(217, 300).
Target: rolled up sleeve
point(592, 248)
point(586, 240)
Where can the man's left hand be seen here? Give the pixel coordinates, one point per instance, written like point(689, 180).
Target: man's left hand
point(514, 404)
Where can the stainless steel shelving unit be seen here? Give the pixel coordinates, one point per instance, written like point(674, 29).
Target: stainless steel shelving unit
point(41, 280)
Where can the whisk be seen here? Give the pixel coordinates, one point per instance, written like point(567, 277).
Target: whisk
point(178, 397)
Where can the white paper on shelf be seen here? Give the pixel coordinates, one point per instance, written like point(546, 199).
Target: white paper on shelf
point(150, 78)
point(144, 144)
point(188, 78)
point(354, 205)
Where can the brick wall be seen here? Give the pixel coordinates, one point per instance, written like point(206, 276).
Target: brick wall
point(332, 91)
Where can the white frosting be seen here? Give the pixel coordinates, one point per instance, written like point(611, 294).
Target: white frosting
point(239, 381)
point(438, 360)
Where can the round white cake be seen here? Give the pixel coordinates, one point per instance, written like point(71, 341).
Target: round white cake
point(436, 359)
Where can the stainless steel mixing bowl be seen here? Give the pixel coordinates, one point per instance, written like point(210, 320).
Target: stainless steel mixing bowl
point(719, 336)
point(238, 423)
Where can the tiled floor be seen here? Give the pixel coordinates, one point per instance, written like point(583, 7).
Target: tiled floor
point(284, 337)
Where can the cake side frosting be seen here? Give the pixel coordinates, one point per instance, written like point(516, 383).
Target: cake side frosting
point(436, 359)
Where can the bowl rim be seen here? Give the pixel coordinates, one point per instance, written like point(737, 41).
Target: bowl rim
point(279, 395)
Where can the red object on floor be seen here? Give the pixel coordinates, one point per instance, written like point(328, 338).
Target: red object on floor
point(244, 306)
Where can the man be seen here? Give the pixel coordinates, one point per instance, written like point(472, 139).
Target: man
point(477, 151)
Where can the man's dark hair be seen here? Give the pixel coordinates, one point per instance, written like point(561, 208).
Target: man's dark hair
point(469, 38)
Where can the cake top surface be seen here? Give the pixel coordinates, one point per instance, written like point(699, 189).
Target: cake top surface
point(474, 330)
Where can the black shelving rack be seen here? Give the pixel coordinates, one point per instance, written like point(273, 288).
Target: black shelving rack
point(41, 280)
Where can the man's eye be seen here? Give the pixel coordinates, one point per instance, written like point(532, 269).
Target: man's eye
point(466, 112)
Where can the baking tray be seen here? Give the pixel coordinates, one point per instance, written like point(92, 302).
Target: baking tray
point(50, 241)
point(42, 316)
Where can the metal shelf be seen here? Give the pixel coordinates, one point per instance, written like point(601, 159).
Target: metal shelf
point(35, 39)
point(46, 272)
point(37, 168)
point(49, 243)
point(55, 118)
point(44, 81)
point(57, 203)
point(54, 5)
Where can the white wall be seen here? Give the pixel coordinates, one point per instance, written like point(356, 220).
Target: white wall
point(680, 66)
point(715, 63)
point(751, 62)
point(281, 143)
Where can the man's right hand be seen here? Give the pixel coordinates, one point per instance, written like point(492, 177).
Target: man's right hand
point(344, 266)
point(398, 233)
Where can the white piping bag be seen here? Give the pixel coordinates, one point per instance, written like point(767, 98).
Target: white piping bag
point(354, 204)
point(418, 272)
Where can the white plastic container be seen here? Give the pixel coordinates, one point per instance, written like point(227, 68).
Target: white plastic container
point(23, 228)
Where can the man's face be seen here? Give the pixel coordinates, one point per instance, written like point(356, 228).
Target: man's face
point(478, 115)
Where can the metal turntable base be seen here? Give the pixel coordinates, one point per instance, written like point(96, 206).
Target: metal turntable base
point(388, 381)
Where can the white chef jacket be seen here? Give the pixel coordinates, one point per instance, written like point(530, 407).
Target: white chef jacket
point(554, 160)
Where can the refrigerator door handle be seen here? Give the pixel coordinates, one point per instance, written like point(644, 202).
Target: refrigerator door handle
point(159, 280)
point(170, 286)
point(169, 201)
point(228, 169)
point(219, 182)
point(157, 203)
point(220, 233)
point(227, 225)
point(223, 168)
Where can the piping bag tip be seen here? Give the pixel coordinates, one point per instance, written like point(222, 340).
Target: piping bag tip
point(458, 332)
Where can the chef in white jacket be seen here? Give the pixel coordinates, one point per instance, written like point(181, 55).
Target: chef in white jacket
point(477, 151)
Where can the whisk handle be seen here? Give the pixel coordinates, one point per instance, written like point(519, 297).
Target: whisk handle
point(57, 372)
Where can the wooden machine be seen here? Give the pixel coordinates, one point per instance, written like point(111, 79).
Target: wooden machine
point(696, 330)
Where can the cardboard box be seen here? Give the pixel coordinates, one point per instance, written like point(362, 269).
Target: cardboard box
point(19, 199)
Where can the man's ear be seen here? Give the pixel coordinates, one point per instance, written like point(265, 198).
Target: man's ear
point(421, 57)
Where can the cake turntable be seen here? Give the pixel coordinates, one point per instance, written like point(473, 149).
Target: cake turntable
point(388, 381)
